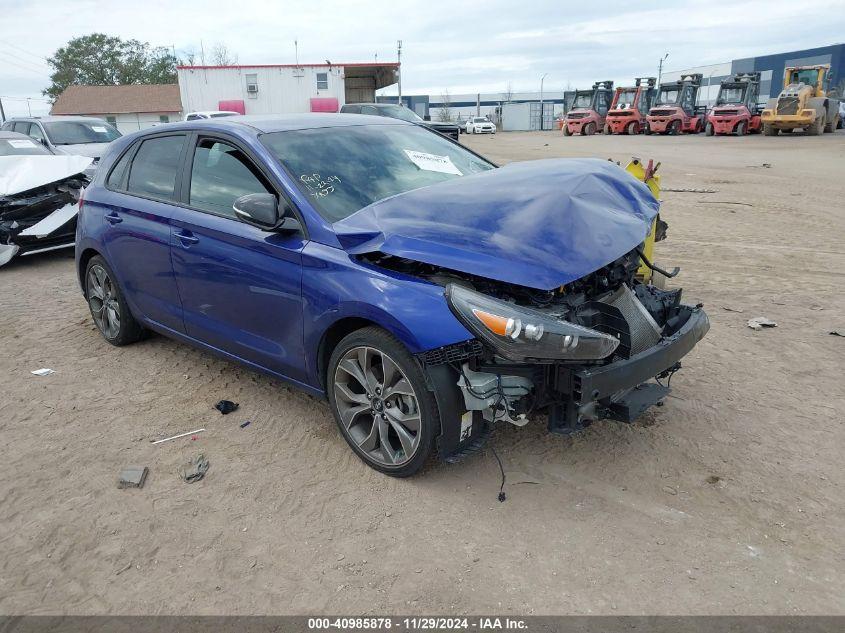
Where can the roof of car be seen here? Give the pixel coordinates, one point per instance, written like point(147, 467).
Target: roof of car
point(47, 119)
point(287, 122)
point(376, 105)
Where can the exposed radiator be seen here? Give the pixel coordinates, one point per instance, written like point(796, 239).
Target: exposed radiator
point(644, 330)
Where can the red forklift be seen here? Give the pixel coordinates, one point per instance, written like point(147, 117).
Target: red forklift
point(736, 110)
point(589, 110)
point(630, 107)
point(675, 110)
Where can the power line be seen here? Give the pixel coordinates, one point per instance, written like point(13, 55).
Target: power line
point(24, 98)
point(25, 61)
point(23, 50)
point(31, 70)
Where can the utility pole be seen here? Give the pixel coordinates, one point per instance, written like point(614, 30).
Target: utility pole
point(660, 70)
point(399, 69)
point(2, 112)
point(541, 100)
point(28, 107)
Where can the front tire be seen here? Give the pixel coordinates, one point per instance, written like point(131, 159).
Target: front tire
point(770, 130)
point(381, 404)
point(589, 129)
point(108, 306)
point(708, 130)
point(566, 131)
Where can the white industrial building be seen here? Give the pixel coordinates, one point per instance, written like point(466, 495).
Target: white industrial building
point(282, 88)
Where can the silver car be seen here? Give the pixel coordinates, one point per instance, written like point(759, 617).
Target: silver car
point(73, 135)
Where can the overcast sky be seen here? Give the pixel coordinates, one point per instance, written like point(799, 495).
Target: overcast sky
point(461, 47)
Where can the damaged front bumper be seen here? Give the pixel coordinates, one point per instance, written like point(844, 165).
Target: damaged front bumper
point(571, 395)
point(620, 390)
point(38, 203)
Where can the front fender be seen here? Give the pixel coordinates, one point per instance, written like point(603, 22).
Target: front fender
point(338, 286)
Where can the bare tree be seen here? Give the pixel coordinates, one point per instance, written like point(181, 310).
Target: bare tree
point(189, 57)
point(507, 95)
point(445, 111)
point(222, 56)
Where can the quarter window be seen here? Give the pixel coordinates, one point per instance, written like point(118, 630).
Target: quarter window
point(115, 180)
point(221, 173)
point(153, 171)
point(322, 81)
point(36, 133)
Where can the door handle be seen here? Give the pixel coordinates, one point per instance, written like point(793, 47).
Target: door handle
point(187, 238)
point(113, 218)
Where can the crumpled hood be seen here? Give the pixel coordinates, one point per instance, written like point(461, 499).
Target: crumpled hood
point(540, 224)
point(92, 150)
point(22, 173)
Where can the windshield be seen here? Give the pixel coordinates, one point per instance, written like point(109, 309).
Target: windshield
point(343, 169)
point(806, 77)
point(668, 95)
point(626, 98)
point(21, 147)
point(401, 112)
point(731, 95)
point(583, 100)
point(480, 120)
point(80, 132)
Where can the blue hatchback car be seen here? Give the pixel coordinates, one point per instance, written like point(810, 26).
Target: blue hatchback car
point(426, 292)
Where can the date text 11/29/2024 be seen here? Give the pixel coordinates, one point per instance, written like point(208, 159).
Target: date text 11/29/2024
point(417, 624)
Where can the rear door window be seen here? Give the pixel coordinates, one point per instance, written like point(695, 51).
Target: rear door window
point(154, 168)
point(35, 132)
point(220, 174)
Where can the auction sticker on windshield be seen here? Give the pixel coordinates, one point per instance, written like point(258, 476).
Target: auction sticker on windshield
point(433, 162)
point(98, 128)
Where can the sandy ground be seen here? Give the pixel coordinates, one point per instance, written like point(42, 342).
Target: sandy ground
point(729, 499)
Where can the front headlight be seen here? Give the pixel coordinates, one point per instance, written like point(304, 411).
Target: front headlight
point(519, 333)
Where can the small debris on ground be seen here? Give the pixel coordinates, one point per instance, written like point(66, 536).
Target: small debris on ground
point(176, 437)
point(132, 477)
point(226, 406)
point(245, 423)
point(730, 309)
point(713, 479)
point(690, 190)
point(758, 323)
point(44, 371)
point(837, 333)
point(195, 469)
point(744, 204)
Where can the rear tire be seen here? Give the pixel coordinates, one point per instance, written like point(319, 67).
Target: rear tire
point(633, 128)
point(708, 130)
point(108, 306)
point(607, 130)
point(674, 128)
point(831, 126)
point(566, 131)
point(769, 130)
point(393, 414)
point(647, 129)
point(741, 128)
point(589, 129)
point(816, 127)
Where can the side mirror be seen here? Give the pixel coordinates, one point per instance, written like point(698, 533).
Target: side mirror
point(258, 209)
point(262, 210)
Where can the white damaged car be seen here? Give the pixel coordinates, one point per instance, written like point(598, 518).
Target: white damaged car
point(39, 196)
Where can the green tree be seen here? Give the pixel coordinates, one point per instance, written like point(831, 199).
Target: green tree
point(103, 60)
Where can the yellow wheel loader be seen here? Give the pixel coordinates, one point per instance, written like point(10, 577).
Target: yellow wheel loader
point(805, 103)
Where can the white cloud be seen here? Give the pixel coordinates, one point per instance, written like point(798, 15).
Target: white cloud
point(460, 47)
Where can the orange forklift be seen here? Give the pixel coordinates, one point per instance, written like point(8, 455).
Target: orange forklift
point(627, 114)
point(736, 110)
point(675, 110)
point(589, 110)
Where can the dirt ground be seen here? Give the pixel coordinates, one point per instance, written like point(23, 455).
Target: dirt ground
point(730, 499)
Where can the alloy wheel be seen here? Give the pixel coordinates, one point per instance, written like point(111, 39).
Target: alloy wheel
point(102, 298)
point(377, 406)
